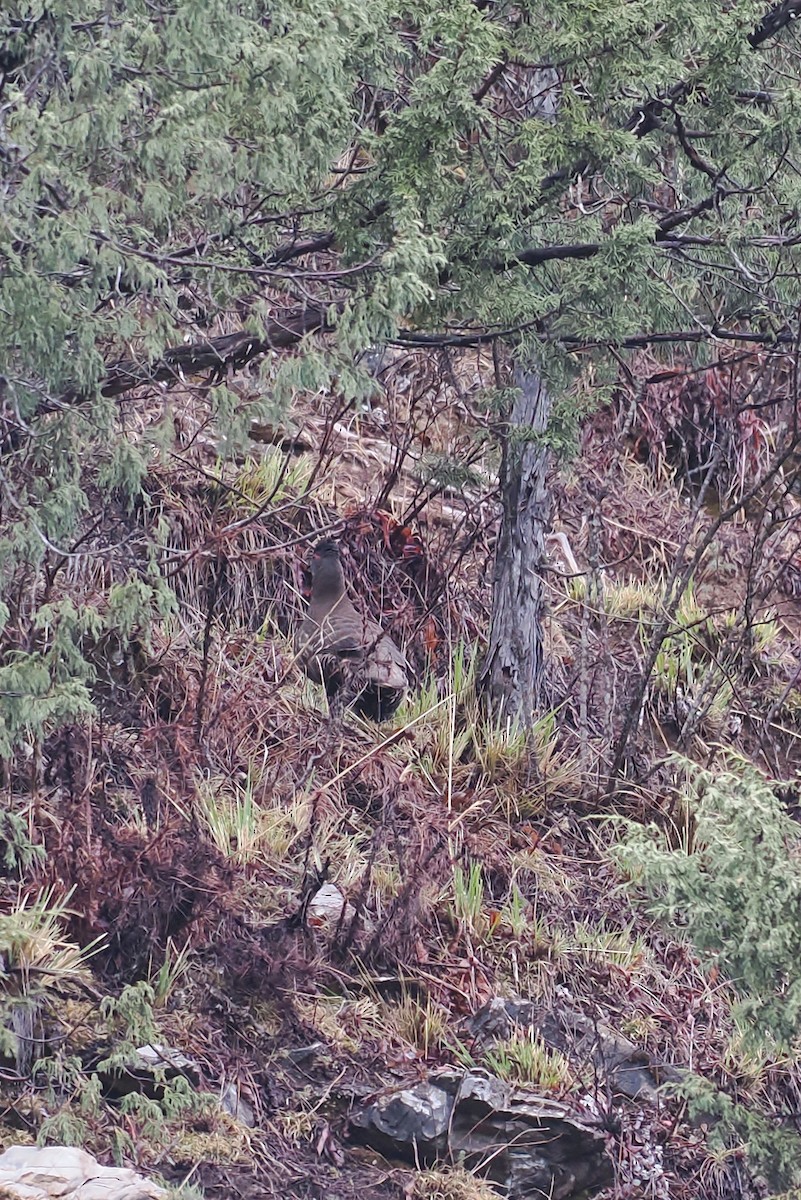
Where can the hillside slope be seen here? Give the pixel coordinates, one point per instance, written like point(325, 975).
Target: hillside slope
point(312, 908)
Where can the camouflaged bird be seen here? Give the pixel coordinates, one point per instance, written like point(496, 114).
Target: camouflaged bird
point(345, 650)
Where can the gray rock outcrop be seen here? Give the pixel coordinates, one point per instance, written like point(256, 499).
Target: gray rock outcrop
point(525, 1142)
point(66, 1173)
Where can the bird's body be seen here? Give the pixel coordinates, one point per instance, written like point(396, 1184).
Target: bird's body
point(345, 650)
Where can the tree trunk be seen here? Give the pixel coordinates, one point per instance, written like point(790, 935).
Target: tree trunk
point(512, 676)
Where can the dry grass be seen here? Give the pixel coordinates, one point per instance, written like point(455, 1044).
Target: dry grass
point(454, 1184)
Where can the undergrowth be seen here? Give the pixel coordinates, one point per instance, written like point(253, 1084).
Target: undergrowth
point(196, 824)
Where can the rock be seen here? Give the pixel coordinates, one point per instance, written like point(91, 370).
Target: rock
point(530, 1145)
point(44, 1173)
point(171, 1062)
point(629, 1070)
point(299, 1054)
point(325, 908)
point(236, 1106)
point(154, 1065)
point(287, 438)
point(411, 1117)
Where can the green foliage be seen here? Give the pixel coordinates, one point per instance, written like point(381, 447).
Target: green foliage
point(33, 943)
point(176, 1099)
point(272, 480)
point(232, 817)
point(18, 851)
point(525, 1058)
point(130, 1015)
point(44, 689)
point(693, 664)
point(125, 140)
point(34, 702)
point(468, 900)
point(39, 967)
point(76, 1098)
point(37, 962)
point(160, 159)
point(186, 1191)
point(63, 1128)
point(444, 472)
point(72, 1093)
point(174, 968)
point(773, 1149)
point(735, 889)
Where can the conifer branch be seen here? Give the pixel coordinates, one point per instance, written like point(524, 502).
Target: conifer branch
point(212, 356)
point(774, 21)
point(215, 355)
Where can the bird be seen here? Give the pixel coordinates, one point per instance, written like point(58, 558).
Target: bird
point(344, 649)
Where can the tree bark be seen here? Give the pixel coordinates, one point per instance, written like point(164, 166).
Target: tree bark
point(512, 675)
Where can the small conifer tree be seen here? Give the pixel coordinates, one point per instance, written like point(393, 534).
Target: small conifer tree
point(735, 889)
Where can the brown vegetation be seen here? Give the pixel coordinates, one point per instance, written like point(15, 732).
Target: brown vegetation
point(203, 809)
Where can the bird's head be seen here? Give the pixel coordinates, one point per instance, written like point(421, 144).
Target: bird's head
point(326, 566)
point(326, 548)
point(326, 551)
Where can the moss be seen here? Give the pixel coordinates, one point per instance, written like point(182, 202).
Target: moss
point(15, 1137)
point(228, 1142)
